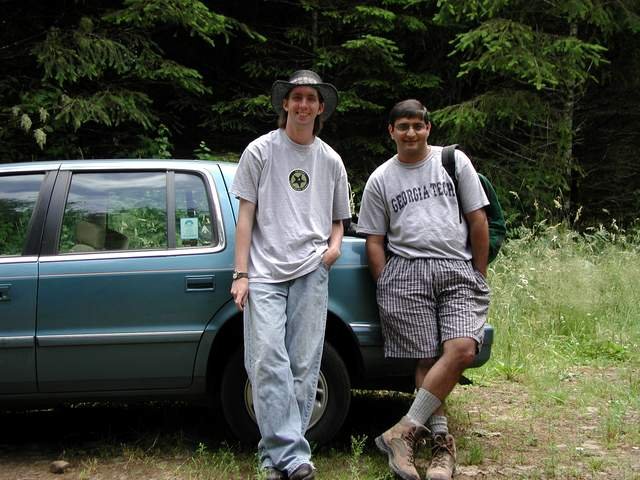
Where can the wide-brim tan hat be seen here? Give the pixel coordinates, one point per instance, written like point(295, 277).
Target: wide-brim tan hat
point(305, 78)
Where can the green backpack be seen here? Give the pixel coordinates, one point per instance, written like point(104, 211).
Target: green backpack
point(495, 216)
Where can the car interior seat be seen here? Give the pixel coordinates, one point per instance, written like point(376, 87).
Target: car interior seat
point(89, 237)
point(94, 235)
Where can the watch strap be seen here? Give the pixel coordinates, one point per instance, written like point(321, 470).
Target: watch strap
point(237, 275)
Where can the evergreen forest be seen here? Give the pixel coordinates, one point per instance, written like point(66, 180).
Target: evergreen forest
point(544, 95)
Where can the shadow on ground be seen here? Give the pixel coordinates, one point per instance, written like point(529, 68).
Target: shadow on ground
point(92, 428)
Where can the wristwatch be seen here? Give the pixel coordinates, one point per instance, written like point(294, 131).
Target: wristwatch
point(237, 275)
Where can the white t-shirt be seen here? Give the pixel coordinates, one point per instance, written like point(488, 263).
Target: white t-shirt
point(298, 190)
point(416, 206)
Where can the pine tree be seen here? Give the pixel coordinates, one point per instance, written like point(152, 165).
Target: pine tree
point(529, 65)
point(89, 81)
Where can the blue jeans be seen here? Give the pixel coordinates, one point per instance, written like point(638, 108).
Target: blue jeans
point(284, 326)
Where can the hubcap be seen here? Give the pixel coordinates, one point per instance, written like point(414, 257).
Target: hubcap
point(319, 405)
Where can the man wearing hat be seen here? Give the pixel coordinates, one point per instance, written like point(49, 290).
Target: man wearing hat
point(293, 196)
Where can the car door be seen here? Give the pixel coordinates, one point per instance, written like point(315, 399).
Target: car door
point(24, 195)
point(129, 280)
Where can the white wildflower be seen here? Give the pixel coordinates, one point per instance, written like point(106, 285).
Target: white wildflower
point(44, 115)
point(25, 122)
point(40, 137)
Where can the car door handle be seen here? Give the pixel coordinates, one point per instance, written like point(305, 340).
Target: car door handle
point(200, 283)
point(4, 292)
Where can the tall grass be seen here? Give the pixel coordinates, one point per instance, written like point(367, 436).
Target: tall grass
point(562, 299)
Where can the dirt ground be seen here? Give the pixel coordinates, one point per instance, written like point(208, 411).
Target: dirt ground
point(502, 433)
point(521, 441)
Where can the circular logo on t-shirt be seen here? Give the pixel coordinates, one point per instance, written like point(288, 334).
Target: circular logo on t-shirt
point(299, 180)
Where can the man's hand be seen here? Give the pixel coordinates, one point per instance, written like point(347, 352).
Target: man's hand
point(240, 292)
point(330, 256)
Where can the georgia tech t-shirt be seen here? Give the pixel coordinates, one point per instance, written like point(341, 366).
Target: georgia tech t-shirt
point(416, 206)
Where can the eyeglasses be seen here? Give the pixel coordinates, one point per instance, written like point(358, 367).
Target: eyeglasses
point(404, 127)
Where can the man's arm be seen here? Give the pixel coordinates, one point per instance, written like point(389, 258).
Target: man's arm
point(244, 228)
point(335, 242)
point(479, 238)
point(375, 255)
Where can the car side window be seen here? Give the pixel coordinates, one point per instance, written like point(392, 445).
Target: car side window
point(110, 211)
point(18, 196)
point(193, 213)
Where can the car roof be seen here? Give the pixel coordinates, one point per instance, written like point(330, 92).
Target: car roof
point(131, 163)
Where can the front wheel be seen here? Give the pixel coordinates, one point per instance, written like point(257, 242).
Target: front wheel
point(330, 408)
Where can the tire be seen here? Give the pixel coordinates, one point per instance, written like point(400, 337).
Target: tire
point(333, 398)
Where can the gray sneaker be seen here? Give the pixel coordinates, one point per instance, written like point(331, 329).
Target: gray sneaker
point(399, 443)
point(443, 458)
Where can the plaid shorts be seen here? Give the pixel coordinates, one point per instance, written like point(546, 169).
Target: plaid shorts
point(424, 302)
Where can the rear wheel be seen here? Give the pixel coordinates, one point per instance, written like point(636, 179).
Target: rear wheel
point(330, 408)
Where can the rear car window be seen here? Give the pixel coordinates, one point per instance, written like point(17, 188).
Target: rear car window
point(110, 211)
point(115, 211)
point(18, 197)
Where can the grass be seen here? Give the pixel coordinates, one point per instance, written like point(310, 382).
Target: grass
point(566, 309)
point(560, 302)
point(560, 398)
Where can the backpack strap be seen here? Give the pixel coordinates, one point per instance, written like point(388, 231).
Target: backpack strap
point(449, 164)
point(449, 161)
